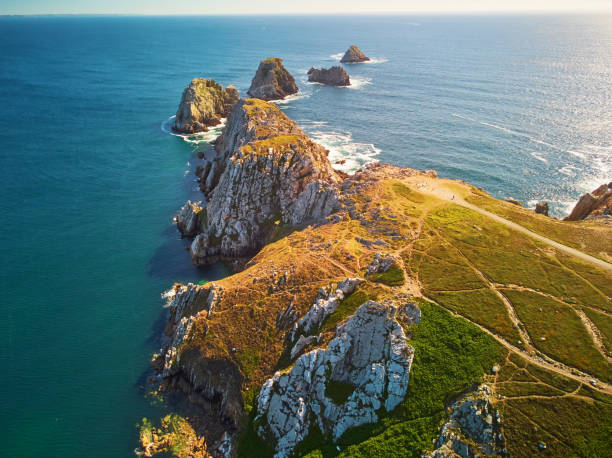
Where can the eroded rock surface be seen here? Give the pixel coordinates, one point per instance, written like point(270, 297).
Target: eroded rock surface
point(354, 55)
point(267, 174)
point(474, 428)
point(381, 263)
point(369, 352)
point(272, 81)
point(596, 204)
point(188, 220)
point(335, 76)
point(203, 104)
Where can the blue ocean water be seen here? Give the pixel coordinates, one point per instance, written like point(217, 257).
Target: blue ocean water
point(90, 180)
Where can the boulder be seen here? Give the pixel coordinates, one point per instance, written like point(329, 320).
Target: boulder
point(593, 205)
point(272, 81)
point(514, 201)
point(542, 208)
point(354, 55)
point(335, 76)
point(203, 104)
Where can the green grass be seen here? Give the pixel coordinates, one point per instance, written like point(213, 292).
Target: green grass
point(510, 389)
point(339, 392)
point(604, 324)
point(394, 276)
point(249, 359)
point(347, 307)
point(482, 306)
point(566, 339)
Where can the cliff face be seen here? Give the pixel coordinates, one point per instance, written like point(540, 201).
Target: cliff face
point(593, 205)
point(267, 175)
point(272, 81)
point(354, 55)
point(335, 76)
point(202, 105)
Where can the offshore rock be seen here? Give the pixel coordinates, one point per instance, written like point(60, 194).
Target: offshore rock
point(473, 429)
point(335, 76)
point(267, 174)
point(203, 104)
point(542, 208)
point(272, 81)
point(597, 204)
point(354, 55)
point(188, 219)
point(369, 351)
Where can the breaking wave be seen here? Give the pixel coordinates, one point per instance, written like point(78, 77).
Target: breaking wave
point(194, 139)
point(344, 153)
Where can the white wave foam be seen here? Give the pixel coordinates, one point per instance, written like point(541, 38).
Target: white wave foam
point(520, 134)
point(358, 82)
point(344, 153)
point(197, 138)
point(373, 60)
point(168, 296)
point(539, 157)
point(291, 98)
point(569, 170)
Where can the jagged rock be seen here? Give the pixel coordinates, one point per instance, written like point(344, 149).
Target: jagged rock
point(514, 201)
point(325, 304)
point(593, 205)
point(354, 55)
point(473, 428)
point(301, 344)
point(542, 208)
point(202, 105)
point(272, 81)
point(188, 220)
point(380, 263)
point(267, 173)
point(411, 312)
point(335, 76)
point(369, 351)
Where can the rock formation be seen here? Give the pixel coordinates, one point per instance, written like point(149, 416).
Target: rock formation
point(354, 55)
point(369, 353)
point(380, 263)
point(542, 208)
point(267, 174)
point(596, 204)
point(473, 429)
point(272, 81)
point(514, 201)
point(202, 105)
point(335, 76)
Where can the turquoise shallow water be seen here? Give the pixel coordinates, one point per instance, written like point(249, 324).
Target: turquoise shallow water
point(89, 180)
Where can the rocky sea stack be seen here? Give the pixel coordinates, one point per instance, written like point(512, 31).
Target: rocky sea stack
point(267, 175)
point(596, 204)
point(335, 76)
point(203, 104)
point(354, 55)
point(272, 81)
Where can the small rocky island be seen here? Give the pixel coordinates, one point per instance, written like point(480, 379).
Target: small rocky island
point(203, 104)
point(354, 55)
point(272, 81)
point(335, 76)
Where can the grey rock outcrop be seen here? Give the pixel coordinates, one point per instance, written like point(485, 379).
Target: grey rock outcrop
point(203, 103)
point(369, 351)
point(513, 201)
point(593, 204)
point(335, 76)
point(542, 208)
point(267, 174)
point(272, 81)
point(324, 304)
point(473, 429)
point(354, 55)
point(380, 263)
point(188, 220)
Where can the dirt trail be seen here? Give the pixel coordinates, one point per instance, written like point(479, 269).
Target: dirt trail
point(435, 188)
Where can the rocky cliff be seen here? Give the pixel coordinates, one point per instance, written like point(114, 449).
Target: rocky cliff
point(203, 104)
point(593, 205)
point(354, 55)
point(335, 76)
point(272, 81)
point(267, 175)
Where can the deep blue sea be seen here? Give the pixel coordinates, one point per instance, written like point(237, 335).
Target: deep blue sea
point(90, 180)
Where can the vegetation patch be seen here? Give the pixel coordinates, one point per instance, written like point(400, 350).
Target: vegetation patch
point(394, 276)
point(339, 392)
